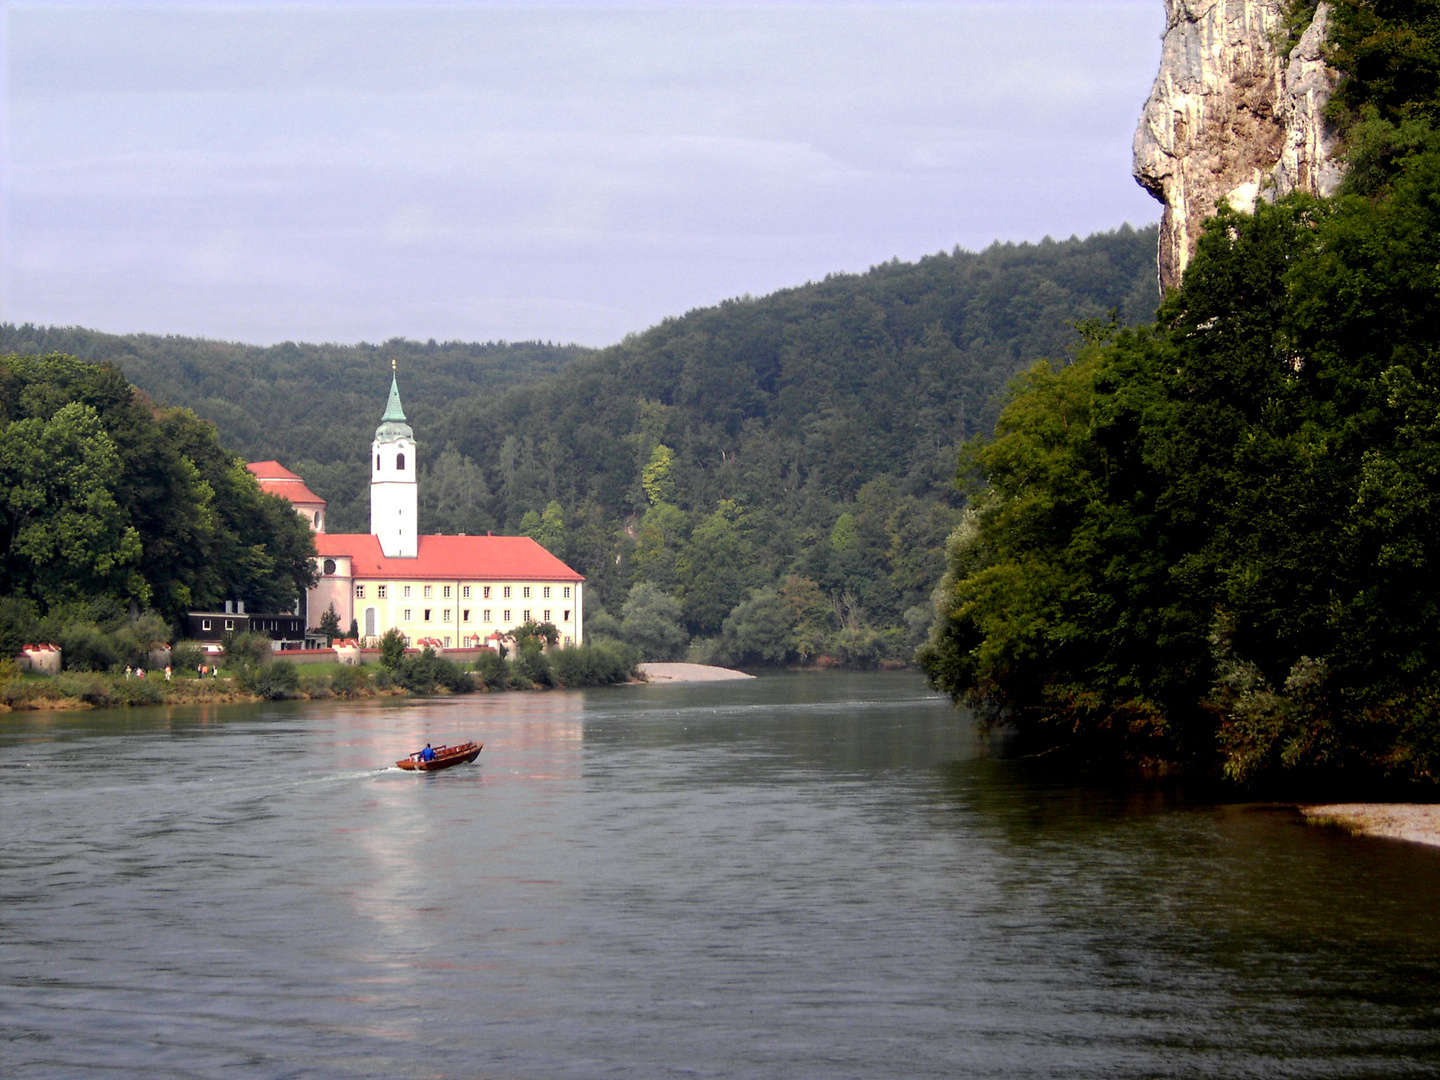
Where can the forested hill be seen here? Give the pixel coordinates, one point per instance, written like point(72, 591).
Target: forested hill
point(802, 444)
point(294, 401)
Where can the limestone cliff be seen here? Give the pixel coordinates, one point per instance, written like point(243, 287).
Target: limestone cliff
point(1232, 117)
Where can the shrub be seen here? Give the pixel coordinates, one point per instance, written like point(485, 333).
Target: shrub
point(425, 672)
point(274, 682)
point(534, 665)
point(349, 681)
point(315, 684)
point(247, 649)
point(601, 663)
point(89, 687)
point(492, 670)
point(186, 656)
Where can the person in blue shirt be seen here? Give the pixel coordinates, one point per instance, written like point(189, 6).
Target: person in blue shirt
point(427, 754)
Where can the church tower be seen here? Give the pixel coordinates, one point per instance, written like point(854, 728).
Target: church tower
point(393, 494)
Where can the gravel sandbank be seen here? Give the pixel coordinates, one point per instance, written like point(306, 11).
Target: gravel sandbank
point(658, 673)
point(1418, 823)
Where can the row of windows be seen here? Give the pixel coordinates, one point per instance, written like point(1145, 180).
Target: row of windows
point(380, 592)
point(427, 615)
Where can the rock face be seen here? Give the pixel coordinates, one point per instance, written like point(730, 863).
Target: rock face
point(1231, 117)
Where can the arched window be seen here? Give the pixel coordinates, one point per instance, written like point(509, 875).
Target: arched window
point(377, 462)
point(369, 622)
point(400, 462)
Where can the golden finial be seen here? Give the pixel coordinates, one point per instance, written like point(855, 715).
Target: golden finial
point(392, 365)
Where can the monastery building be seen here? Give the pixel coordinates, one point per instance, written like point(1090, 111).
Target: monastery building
point(448, 591)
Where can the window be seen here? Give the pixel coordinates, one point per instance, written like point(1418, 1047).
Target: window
point(329, 566)
point(507, 592)
point(447, 592)
point(487, 616)
point(527, 615)
point(465, 615)
point(429, 591)
point(407, 614)
point(447, 641)
point(427, 614)
point(464, 592)
point(525, 592)
point(547, 615)
point(317, 519)
point(229, 624)
point(400, 462)
point(360, 592)
point(204, 624)
point(377, 462)
point(445, 615)
point(407, 592)
point(567, 592)
point(507, 616)
point(380, 591)
point(485, 594)
point(546, 592)
point(566, 616)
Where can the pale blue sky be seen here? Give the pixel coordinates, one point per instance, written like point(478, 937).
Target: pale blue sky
point(566, 172)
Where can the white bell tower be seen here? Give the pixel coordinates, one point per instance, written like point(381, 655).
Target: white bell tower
point(393, 494)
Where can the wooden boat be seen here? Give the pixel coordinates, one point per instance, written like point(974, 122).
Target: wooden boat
point(445, 756)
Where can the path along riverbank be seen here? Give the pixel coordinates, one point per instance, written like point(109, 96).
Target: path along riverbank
point(1417, 823)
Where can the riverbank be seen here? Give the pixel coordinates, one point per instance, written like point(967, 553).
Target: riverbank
point(1415, 823)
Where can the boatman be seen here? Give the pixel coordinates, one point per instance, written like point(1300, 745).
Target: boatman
point(427, 754)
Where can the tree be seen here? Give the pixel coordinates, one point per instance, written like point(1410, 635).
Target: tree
point(392, 648)
point(66, 535)
point(330, 625)
point(650, 620)
point(759, 630)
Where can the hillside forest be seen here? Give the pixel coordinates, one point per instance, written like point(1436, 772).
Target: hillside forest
point(1213, 542)
point(768, 480)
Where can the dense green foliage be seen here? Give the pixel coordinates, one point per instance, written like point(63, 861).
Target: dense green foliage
point(105, 497)
point(1215, 541)
point(1388, 101)
point(807, 437)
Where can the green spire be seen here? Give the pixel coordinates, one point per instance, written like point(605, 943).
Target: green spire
point(393, 411)
point(392, 424)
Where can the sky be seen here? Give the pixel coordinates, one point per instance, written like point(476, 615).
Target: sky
point(567, 172)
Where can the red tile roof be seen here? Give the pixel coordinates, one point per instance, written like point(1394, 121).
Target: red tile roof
point(277, 480)
point(493, 558)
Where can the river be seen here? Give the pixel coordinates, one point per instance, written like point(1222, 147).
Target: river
point(795, 876)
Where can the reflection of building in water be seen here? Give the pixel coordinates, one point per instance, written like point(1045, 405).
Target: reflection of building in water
point(450, 591)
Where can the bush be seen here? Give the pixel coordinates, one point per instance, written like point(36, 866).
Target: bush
point(275, 682)
point(247, 650)
point(534, 665)
point(315, 684)
point(89, 687)
point(492, 670)
point(86, 647)
point(426, 672)
point(601, 663)
point(186, 656)
point(349, 681)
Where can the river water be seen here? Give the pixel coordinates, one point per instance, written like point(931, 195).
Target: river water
point(796, 876)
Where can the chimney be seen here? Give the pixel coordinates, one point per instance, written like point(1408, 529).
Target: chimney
point(239, 607)
point(229, 607)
